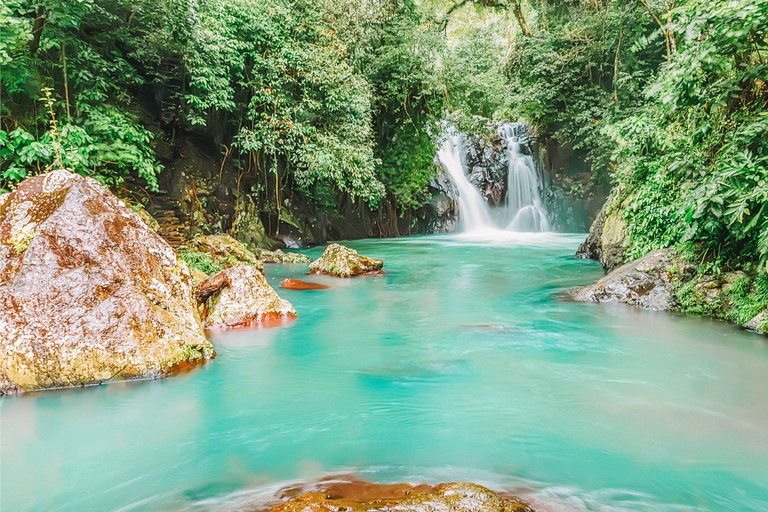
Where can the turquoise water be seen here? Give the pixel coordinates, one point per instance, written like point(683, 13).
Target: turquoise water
point(460, 363)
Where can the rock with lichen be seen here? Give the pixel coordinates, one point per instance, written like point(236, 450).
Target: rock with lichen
point(226, 251)
point(279, 256)
point(340, 261)
point(364, 497)
point(247, 299)
point(88, 292)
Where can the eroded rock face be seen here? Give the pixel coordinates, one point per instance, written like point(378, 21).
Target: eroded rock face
point(226, 251)
point(363, 496)
point(246, 299)
point(88, 292)
point(341, 261)
point(645, 282)
point(607, 240)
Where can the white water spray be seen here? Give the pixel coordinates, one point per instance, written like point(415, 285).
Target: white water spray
point(474, 213)
point(525, 211)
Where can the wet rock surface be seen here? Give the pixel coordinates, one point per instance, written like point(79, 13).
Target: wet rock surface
point(645, 282)
point(243, 297)
point(341, 261)
point(364, 496)
point(88, 292)
point(297, 284)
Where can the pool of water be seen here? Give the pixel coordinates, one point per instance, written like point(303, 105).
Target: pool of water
point(461, 363)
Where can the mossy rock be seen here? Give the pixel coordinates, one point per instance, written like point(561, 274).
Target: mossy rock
point(341, 261)
point(225, 251)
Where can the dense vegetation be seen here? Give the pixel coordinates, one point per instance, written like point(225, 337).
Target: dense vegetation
point(666, 99)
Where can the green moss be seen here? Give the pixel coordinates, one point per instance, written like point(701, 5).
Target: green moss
point(748, 297)
point(695, 302)
point(202, 261)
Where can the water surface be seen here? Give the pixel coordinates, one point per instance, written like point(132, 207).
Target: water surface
point(460, 363)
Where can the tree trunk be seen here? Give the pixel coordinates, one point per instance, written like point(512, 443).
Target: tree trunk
point(518, 10)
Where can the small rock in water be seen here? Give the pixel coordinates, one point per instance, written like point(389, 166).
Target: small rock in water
point(296, 284)
point(341, 261)
point(247, 299)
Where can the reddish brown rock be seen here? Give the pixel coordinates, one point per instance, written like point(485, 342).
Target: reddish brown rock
point(246, 300)
point(365, 497)
point(88, 292)
point(296, 284)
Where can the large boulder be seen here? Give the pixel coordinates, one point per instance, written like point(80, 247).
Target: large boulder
point(341, 261)
point(364, 496)
point(645, 282)
point(243, 298)
point(88, 292)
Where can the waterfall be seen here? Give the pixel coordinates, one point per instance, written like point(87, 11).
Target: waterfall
point(474, 213)
point(525, 211)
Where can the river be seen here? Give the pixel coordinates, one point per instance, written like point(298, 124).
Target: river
point(461, 363)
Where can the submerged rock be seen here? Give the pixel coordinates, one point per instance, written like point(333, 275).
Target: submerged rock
point(645, 282)
point(341, 261)
point(243, 298)
point(296, 284)
point(226, 251)
point(88, 292)
point(364, 496)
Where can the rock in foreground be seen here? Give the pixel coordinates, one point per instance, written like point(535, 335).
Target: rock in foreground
point(243, 298)
point(364, 496)
point(88, 292)
point(341, 261)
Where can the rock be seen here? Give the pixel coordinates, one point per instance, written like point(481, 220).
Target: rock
point(279, 256)
point(211, 285)
point(363, 497)
point(607, 241)
point(296, 284)
point(247, 300)
point(88, 292)
point(226, 251)
point(341, 261)
point(645, 282)
point(148, 219)
point(758, 323)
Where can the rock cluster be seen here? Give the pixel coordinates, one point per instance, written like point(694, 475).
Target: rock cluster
point(341, 261)
point(88, 292)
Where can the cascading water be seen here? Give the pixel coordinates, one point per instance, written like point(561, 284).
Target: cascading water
point(525, 211)
point(474, 213)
